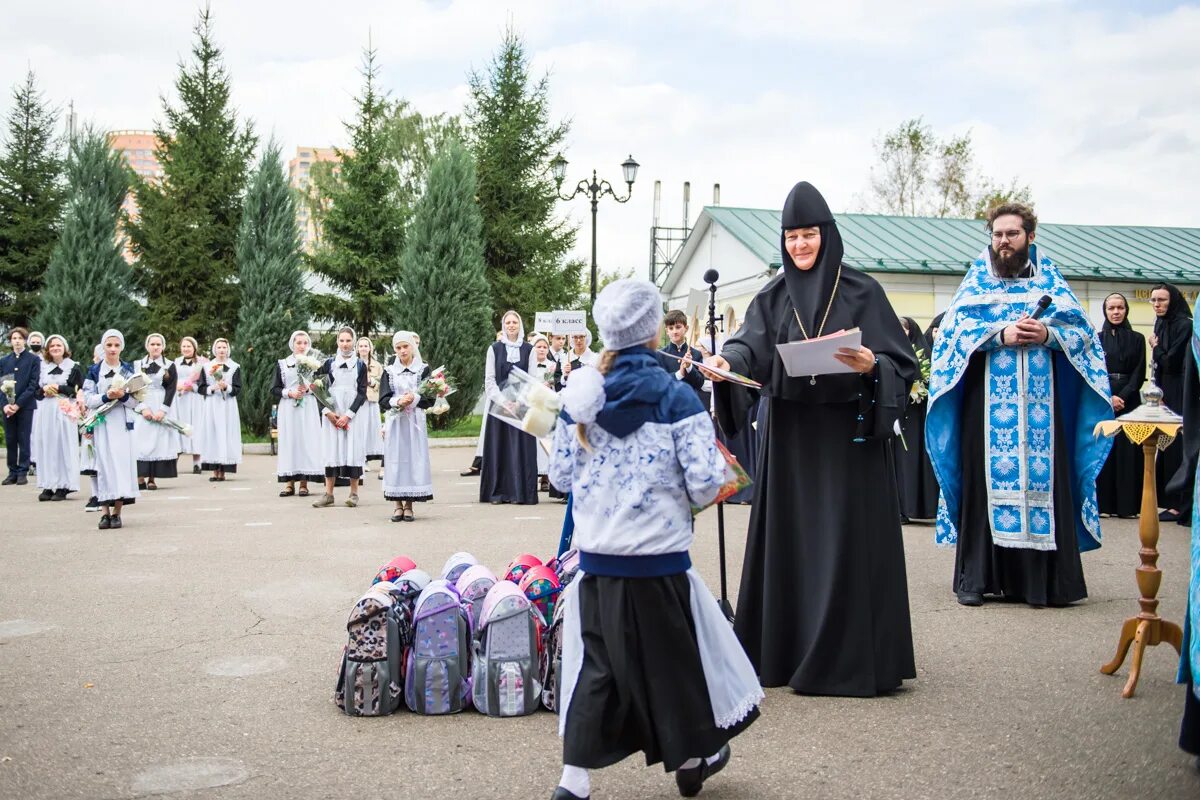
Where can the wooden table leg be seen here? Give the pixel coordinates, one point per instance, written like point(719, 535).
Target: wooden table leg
point(1128, 631)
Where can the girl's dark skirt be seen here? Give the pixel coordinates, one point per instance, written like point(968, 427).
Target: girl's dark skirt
point(641, 685)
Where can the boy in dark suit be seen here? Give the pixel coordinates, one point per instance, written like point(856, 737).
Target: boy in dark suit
point(24, 369)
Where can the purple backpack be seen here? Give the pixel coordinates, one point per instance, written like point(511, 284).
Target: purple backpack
point(473, 586)
point(507, 650)
point(438, 663)
point(456, 565)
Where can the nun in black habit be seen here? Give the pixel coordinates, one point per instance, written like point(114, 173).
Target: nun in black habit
point(1172, 332)
point(823, 605)
point(509, 470)
point(1119, 487)
point(914, 473)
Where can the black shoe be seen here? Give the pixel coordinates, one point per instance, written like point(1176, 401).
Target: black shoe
point(59, 494)
point(471, 472)
point(195, 469)
point(565, 794)
point(11, 479)
point(398, 516)
point(691, 781)
point(1168, 516)
point(115, 522)
point(105, 522)
point(970, 598)
point(93, 504)
point(22, 480)
point(45, 495)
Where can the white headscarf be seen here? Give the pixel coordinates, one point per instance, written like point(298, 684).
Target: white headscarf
point(292, 340)
point(162, 358)
point(98, 353)
point(230, 364)
point(513, 348)
point(410, 339)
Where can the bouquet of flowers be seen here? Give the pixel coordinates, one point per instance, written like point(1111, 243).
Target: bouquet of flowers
point(174, 424)
point(8, 385)
point(528, 404)
point(920, 387)
point(71, 407)
point(320, 390)
point(306, 370)
point(217, 370)
point(436, 386)
point(134, 386)
point(188, 384)
point(736, 479)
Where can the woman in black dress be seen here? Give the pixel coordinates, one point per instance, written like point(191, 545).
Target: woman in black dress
point(914, 473)
point(509, 470)
point(1119, 487)
point(1172, 332)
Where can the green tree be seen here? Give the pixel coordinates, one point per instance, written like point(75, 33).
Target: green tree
point(513, 139)
point(31, 201)
point(919, 174)
point(185, 235)
point(446, 299)
point(89, 284)
point(362, 230)
point(274, 301)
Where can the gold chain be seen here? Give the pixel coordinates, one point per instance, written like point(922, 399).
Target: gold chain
point(825, 318)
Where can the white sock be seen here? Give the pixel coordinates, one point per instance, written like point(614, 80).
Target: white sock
point(691, 763)
point(576, 781)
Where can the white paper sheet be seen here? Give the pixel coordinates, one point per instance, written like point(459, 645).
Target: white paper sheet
point(815, 356)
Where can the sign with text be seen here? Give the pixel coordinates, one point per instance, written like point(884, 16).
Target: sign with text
point(543, 321)
point(569, 322)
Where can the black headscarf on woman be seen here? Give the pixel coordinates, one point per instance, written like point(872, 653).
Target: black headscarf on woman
point(934, 324)
point(1120, 341)
point(916, 337)
point(810, 289)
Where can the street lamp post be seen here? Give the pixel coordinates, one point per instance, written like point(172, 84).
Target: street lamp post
point(595, 189)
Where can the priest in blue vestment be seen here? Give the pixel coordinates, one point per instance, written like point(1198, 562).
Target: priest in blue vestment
point(1016, 388)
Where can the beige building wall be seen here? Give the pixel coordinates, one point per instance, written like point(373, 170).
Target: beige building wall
point(138, 149)
point(300, 178)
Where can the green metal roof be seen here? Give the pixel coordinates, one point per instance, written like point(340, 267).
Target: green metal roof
point(933, 246)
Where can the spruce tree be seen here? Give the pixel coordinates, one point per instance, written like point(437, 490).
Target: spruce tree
point(362, 232)
point(446, 299)
point(89, 285)
point(274, 302)
point(513, 140)
point(31, 201)
point(185, 238)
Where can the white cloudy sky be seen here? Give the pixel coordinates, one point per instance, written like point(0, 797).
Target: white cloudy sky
point(1095, 104)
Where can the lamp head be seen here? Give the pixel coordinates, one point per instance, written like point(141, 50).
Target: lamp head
point(558, 168)
point(630, 168)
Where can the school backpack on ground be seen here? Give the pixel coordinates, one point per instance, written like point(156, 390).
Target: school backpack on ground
point(371, 678)
point(507, 653)
point(551, 666)
point(473, 586)
point(519, 566)
point(456, 565)
point(565, 567)
point(438, 662)
point(394, 569)
point(541, 586)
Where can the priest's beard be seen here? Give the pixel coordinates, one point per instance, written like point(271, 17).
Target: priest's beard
point(1010, 263)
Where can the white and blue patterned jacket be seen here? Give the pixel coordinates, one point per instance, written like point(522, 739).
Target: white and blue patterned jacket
point(653, 455)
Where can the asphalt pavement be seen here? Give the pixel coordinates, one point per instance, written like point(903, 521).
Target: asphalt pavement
point(194, 653)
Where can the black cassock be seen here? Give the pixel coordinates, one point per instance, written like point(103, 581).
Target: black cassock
point(823, 604)
point(1119, 486)
point(1037, 577)
point(1174, 332)
point(915, 479)
point(508, 473)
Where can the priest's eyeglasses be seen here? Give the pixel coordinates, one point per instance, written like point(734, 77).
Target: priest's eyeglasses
point(1000, 236)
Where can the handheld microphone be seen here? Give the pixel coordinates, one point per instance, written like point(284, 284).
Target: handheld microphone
point(1042, 305)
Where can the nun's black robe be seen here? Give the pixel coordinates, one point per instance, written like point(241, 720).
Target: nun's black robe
point(915, 479)
point(823, 604)
point(1119, 486)
point(1174, 332)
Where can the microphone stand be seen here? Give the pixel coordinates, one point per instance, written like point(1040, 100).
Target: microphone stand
point(710, 277)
